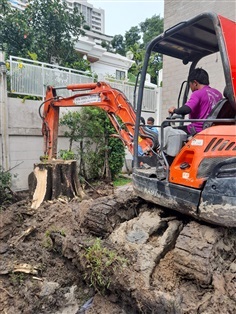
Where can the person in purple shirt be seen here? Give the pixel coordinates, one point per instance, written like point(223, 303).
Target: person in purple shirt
point(201, 102)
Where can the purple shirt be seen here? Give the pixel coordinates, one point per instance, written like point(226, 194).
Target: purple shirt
point(201, 103)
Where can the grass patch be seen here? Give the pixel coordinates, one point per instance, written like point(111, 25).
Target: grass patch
point(101, 263)
point(121, 180)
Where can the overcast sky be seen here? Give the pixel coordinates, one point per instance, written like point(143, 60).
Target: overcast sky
point(121, 15)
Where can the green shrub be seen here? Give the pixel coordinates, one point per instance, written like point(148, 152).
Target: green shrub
point(99, 155)
point(66, 154)
point(5, 183)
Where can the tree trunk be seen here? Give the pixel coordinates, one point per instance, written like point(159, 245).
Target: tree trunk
point(52, 179)
point(107, 166)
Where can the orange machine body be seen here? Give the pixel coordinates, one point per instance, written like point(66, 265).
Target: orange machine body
point(197, 158)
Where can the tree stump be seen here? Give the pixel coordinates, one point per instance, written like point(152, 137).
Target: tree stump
point(52, 179)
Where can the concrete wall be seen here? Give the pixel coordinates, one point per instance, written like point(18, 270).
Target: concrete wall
point(25, 141)
point(174, 72)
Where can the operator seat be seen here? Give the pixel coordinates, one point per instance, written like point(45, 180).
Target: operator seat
point(222, 110)
point(152, 135)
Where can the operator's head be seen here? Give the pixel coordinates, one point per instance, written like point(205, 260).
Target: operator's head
point(150, 121)
point(142, 120)
point(197, 78)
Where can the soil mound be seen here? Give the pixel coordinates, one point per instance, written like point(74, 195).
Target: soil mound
point(152, 260)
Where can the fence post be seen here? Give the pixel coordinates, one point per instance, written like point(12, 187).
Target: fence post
point(4, 113)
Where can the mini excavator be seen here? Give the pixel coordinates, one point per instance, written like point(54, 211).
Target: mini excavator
point(201, 179)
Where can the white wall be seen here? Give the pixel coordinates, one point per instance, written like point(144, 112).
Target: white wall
point(108, 63)
point(26, 140)
point(104, 70)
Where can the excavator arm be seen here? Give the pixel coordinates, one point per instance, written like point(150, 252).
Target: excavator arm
point(101, 95)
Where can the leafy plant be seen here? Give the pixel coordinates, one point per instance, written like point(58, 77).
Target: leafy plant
point(66, 154)
point(5, 183)
point(71, 120)
point(136, 40)
point(99, 154)
point(45, 27)
point(48, 243)
point(116, 156)
point(5, 178)
point(17, 279)
point(101, 263)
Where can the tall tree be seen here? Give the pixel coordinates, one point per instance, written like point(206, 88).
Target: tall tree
point(132, 37)
point(151, 28)
point(118, 44)
point(136, 40)
point(45, 27)
point(13, 30)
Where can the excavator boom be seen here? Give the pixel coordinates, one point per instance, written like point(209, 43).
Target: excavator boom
point(100, 95)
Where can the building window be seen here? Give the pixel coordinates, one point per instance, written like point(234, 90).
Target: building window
point(120, 75)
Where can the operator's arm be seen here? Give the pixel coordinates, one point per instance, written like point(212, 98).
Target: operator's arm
point(182, 110)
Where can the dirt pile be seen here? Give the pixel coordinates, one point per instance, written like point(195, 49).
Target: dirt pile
point(171, 264)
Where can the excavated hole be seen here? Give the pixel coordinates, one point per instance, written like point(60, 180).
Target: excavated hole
point(158, 233)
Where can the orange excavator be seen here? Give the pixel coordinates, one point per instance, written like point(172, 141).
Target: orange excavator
point(200, 181)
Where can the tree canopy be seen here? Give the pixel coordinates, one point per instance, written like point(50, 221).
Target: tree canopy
point(45, 27)
point(47, 31)
point(151, 28)
point(136, 40)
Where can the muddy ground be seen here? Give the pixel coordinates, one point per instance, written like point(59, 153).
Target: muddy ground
point(154, 260)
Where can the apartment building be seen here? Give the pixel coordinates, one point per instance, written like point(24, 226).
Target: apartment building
point(95, 18)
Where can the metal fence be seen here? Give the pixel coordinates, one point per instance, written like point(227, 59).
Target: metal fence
point(29, 77)
point(149, 95)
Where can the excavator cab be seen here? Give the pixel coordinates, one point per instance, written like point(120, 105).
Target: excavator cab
point(200, 179)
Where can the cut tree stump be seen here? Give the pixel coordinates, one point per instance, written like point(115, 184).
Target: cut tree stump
point(53, 179)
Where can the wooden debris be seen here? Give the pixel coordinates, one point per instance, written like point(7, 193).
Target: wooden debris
point(18, 268)
point(41, 187)
point(25, 268)
point(24, 235)
point(62, 200)
point(37, 278)
point(10, 295)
